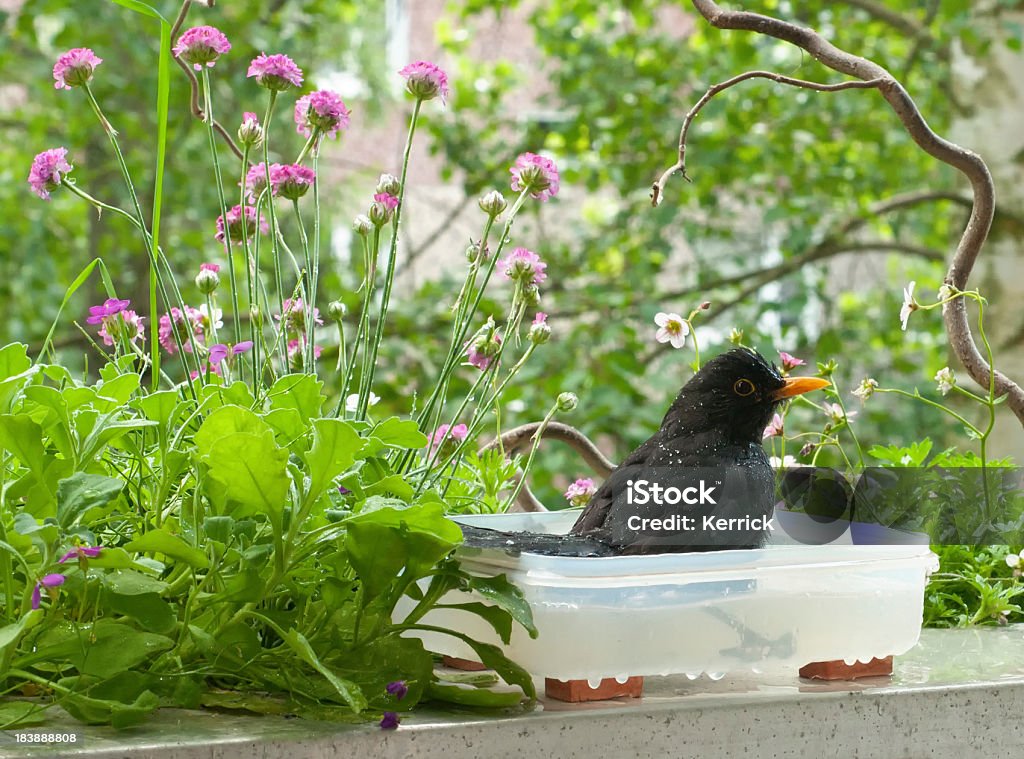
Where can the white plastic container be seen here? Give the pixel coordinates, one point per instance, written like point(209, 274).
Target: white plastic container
point(775, 608)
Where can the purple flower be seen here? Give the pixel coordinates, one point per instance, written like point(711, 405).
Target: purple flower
point(323, 110)
point(789, 362)
point(49, 581)
point(291, 181)
point(275, 72)
point(398, 688)
point(110, 307)
point(220, 351)
point(580, 492)
point(80, 552)
point(524, 266)
point(237, 227)
point(537, 174)
point(74, 68)
point(390, 721)
point(425, 81)
point(191, 320)
point(48, 171)
point(201, 46)
point(775, 428)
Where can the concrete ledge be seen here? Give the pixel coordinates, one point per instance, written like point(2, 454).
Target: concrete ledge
point(959, 693)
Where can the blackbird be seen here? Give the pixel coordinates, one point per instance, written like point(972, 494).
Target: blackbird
point(707, 457)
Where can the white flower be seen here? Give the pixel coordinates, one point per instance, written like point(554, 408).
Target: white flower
point(909, 305)
point(783, 463)
point(1014, 560)
point(946, 380)
point(672, 329)
point(217, 319)
point(352, 401)
point(865, 389)
point(836, 413)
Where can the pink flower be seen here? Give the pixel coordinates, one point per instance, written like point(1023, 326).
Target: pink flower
point(537, 174)
point(481, 352)
point(389, 201)
point(190, 321)
point(48, 171)
point(275, 72)
point(291, 181)
point(81, 552)
point(296, 351)
point(294, 317)
point(445, 433)
point(201, 46)
point(49, 581)
point(237, 227)
point(580, 492)
point(125, 324)
point(775, 428)
point(672, 328)
point(789, 362)
point(524, 266)
point(256, 181)
point(323, 110)
point(425, 81)
point(215, 268)
point(74, 68)
point(250, 133)
point(540, 318)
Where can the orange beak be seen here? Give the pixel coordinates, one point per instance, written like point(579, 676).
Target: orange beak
point(799, 386)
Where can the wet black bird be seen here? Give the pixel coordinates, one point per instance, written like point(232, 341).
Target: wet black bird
point(711, 432)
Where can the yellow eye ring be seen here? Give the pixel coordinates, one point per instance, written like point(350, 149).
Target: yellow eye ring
point(743, 387)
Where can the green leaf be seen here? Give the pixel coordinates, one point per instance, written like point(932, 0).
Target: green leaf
point(14, 360)
point(80, 492)
point(21, 714)
point(148, 609)
point(497, 618)
point(335, 444)
point(161, 541)
point(254, 472)
point(400, 433)
point(493, 657)
point(24, 438)
point(103, 648)
point(349, 691)
point(384, 543)
point(467, 695)
point(12, 633)
point(301, 392)
point(502, 593)
point(227, 420)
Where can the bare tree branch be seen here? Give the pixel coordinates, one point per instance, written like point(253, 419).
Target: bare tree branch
point(518, 437)
point(193, 84)
point(965, 161)
point(658, 190)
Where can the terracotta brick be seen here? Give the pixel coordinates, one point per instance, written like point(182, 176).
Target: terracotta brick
point(464, 664)
point(840, 670)
point(577, 691)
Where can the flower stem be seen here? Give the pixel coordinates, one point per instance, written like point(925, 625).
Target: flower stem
point(389, 277)
point(274, 243)
point(537, 436)
point(218, 179)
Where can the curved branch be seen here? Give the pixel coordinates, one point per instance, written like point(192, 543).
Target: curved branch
point(965, 161)
point(658, 190)
point(193, 83)
point(519, 437)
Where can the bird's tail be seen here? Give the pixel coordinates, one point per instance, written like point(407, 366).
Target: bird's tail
point(515, 543)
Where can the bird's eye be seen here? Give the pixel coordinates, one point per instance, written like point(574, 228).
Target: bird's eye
point(743, 387)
